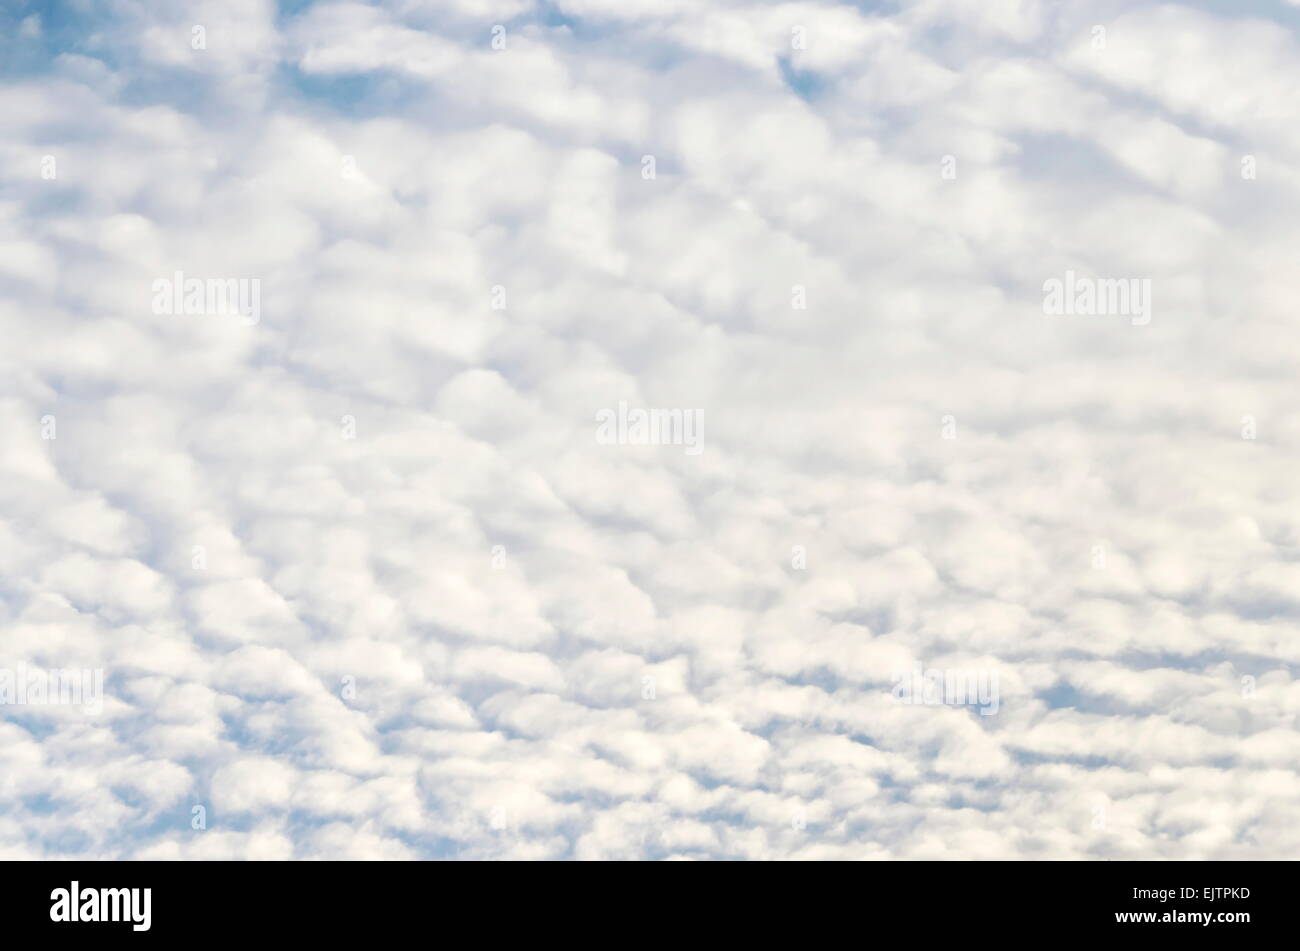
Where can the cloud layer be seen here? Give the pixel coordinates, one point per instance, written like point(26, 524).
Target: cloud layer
point(365, 583)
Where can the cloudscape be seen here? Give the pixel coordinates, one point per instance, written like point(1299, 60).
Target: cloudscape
point(649, 429)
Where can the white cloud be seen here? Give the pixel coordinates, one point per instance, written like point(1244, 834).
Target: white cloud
point(365, 584)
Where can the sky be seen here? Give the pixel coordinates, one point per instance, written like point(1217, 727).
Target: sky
point(650, 429)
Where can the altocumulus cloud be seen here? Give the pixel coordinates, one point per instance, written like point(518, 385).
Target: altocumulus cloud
point(914, 536)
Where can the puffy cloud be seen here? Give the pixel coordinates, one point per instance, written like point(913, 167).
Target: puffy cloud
point(366, 578)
